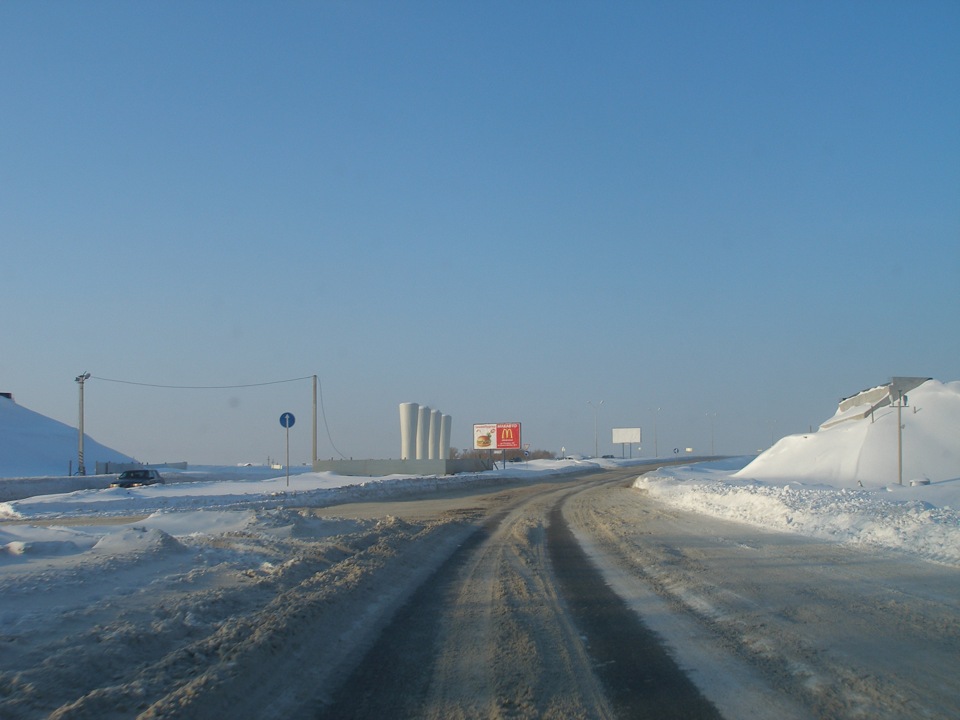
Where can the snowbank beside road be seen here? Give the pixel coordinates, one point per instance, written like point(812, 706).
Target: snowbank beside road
point(924, 520)
point(74, 522)
point(304, 488)
point(842, 482)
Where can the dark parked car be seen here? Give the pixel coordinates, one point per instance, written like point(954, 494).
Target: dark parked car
point(135, 478)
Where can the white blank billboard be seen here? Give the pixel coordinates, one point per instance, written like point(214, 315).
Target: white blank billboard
point(626, 435)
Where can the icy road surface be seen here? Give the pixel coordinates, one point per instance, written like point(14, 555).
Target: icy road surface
point(281, 613)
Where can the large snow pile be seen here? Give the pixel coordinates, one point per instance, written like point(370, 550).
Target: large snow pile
point(863, 451)
point(186, 506)
point(304, 488)
point(842, 482)
point(33, 445)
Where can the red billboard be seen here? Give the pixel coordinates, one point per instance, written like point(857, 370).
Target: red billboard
point(496, 436)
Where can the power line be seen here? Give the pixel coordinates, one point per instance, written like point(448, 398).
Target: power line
point(323, 412)
point(323, 409)
point(200, 387)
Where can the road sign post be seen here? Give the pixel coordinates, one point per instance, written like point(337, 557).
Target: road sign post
point(287, 420)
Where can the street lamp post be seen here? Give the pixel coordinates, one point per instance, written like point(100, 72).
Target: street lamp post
point(81, 469)
point(656, 452)
point(596, 442)
point(713, 418)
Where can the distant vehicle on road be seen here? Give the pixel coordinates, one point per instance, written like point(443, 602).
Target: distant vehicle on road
point(136, 478)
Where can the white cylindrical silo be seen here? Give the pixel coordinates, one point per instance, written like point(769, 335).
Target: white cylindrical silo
point(408, 430)
point(445, 424)
point(433, 452)
point(423, 432)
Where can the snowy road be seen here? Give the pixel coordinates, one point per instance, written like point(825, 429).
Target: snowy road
point(766, 624)
point(494, 634)
point(823, 629)
point(295, 613)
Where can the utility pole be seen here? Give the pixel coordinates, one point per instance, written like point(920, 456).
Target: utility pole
point(81, 470)
point(901, 398)
point(899, 387)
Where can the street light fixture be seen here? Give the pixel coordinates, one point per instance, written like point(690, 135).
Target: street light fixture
point(656, 452)
point(81, 469)
point(656, 411)
point(596, 443)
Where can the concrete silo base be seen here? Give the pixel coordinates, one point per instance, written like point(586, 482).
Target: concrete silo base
point(379, 468)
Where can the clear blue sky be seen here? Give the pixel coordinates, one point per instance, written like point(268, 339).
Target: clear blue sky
point(736, 212)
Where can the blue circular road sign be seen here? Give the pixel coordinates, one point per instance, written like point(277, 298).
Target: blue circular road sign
point(287, 420)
